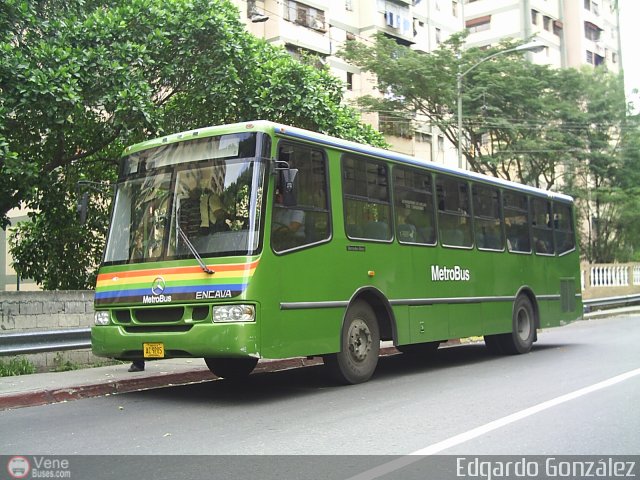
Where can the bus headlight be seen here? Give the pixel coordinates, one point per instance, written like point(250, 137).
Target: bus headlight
point(101, 318)
point(234, 313)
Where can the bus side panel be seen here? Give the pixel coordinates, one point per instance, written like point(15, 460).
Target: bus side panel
point(293, 278)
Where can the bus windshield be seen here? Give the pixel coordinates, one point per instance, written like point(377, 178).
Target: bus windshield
point(189, 193)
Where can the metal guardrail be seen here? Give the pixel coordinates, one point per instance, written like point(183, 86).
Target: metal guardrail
point(609, 302)
point(45, 341)
point(80, 338)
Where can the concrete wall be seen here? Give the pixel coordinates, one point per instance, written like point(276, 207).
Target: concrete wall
point(32, 311)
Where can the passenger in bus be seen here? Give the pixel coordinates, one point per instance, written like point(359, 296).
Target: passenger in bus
point(287, 225)
point(423, 224)
point(213, 216)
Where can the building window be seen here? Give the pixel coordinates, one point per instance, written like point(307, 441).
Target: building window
point(305, 15)
point(614, 57)
point(479, 24)
point(349, 81)
point(348, 5)
point(592, 7)
point(306, 56)
point(589, 57)
point(546, 23)
point(534, 17)
point(557, 27)
point(591, 31)
point(454, 8)
point(438, 36)
point(395, 125)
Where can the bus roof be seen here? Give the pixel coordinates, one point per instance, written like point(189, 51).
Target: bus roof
point(286, 131)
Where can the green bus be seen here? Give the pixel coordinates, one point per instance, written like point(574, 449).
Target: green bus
point(257, 240)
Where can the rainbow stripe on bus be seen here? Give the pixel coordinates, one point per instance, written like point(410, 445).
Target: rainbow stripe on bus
point(166, 285)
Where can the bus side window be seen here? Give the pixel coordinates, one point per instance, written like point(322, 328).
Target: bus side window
point(487, 218)
point(454, 220)
point(542, 226)
point(304, 219)
point(413, 197)
point(563, 228)
point(516, 219)
point(365, 188)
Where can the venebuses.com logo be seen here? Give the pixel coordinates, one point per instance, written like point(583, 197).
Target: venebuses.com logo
point(38, 467)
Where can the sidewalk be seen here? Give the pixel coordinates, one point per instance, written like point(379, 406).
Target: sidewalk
point(54, 387)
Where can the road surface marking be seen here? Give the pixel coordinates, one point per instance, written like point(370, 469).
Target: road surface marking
point(436, 448)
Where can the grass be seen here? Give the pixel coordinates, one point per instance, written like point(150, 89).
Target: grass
point(16, 366)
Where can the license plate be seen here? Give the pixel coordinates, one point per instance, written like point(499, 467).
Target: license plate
point(153, 350)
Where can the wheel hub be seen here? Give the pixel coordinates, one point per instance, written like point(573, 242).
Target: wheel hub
point(359, 340)
point(523, 324)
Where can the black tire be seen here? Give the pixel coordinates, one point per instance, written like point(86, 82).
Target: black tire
point(523, 330)
point(231, 368)
point(419, 350)
point(493, 344)
point(359, 348)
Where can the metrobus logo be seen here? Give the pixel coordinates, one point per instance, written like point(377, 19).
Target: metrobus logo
point(453, 274)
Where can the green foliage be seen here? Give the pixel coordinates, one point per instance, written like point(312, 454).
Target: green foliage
point(551, 128)
point(81, 79)
point(16, 366)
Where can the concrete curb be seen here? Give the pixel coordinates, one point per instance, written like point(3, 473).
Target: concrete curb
point(108, 387)
point(156, 380)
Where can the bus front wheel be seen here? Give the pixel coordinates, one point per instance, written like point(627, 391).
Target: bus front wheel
point(360, 346)
point(231, 368)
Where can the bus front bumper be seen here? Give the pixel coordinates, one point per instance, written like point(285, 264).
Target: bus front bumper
point(199, 341)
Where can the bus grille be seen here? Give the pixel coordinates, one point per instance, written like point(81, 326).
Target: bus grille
point(159, 315)
point(157, 328)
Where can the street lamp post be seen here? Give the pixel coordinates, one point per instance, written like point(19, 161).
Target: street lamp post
point(532, 46)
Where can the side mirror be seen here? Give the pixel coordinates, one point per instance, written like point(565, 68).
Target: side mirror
point(289, 179)
point(288, 184)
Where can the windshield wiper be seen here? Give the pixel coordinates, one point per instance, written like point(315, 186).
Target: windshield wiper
point(193, 250)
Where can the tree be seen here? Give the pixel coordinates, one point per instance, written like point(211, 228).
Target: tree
point(550, 128)
point(510, 105)
point(81, 79)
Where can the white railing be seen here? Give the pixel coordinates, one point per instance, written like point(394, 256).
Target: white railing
point(636, 274)
point(610, 276)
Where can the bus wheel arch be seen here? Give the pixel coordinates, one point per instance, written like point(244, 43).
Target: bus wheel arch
point(382, 309)
point(366, 320)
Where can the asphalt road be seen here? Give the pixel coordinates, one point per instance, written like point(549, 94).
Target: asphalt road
point(566, 397)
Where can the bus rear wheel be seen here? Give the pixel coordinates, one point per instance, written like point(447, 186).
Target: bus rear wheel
point(231, 368)
point(359, 348)
point(523, 331)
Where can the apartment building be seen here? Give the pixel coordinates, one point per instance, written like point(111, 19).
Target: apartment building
point(576, 32)
point(321, 27)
